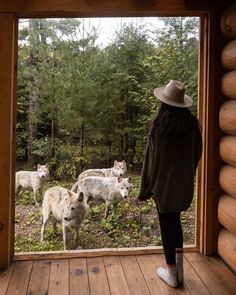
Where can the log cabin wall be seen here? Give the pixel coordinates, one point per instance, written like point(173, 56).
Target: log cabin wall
point(227, 121)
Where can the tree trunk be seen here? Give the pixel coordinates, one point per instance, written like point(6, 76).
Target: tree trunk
point(33, 96)
point(82, 147)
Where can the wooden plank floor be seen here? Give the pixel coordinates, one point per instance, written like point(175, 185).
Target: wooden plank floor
point(115, 275)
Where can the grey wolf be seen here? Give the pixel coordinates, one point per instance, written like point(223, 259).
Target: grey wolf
point(119, 169)
point(32, 179)
point(112, 190)
point(66, 207)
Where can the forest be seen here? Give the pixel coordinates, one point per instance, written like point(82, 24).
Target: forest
point(82, 104)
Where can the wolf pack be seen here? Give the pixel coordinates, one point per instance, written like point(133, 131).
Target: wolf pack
point(71, 206)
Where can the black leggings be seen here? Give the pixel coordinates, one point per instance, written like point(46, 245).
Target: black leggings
point(171, 234)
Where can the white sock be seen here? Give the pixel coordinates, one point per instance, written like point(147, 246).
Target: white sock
point(168, 275)
point(179, 265)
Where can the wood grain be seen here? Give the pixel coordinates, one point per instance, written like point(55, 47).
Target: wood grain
point(228, 85)
point(227, 248)
point(116, 276)
point(39, 279)
point(227, 213)
point(204, 268)
point(134, 277)
point(227, 180)
point(228, 22)
point(7, 127)
point(59, 278)
point(98, 280)
point(228, 150)
point(20, 278)
point(227, 117)
point(79, 284)
point(228, 56)
point(5, 276)
point(90, 8)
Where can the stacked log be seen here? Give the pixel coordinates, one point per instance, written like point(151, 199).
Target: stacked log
point(227, 121)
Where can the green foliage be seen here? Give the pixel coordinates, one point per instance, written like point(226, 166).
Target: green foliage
point(133, 224)
point(80, 105)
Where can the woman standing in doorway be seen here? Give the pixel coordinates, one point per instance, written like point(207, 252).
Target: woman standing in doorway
point(173, 151)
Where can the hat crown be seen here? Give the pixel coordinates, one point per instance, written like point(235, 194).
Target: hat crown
point(174, 91)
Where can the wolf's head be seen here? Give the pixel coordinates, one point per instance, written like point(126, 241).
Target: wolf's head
point(75, 204)
point(43, 171)
point(124, 186)
point(119, 168)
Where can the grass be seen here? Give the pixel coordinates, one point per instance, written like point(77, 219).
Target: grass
point(134, 224)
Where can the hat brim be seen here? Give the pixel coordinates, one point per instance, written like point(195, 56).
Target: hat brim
point(158, 92)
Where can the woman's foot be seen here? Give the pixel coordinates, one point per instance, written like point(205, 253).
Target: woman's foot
point(168, 275)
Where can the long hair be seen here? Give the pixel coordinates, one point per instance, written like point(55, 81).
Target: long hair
point(173, 123)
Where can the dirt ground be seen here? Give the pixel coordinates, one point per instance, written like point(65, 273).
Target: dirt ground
point(134, 224)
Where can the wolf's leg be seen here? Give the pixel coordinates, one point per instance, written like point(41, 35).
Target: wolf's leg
point(76, 230)
point(45, 217)
point(17, 190)
point(35, 196)
point(64, 234)
point(54, 223)
point(107, 208)
point(115, 207)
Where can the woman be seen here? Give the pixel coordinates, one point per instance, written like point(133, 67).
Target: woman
point(172, 154)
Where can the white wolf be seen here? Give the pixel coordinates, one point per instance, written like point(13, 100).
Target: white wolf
point(32, 179)
point(112, 190)
point(66, 207)
point(119, 169)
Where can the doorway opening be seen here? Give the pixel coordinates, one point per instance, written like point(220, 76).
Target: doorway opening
point(85, 100)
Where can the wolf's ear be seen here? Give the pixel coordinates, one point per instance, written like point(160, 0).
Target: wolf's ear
point(81, 197)
point(115, 162)
point(46, 165)
point(129, 179)
point(119, 179)
point(70, 193)
point(38, 166)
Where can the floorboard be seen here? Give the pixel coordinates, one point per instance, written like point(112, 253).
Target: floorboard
point(116, 275)
point(136, 282)
point(5, 276)
point(59, 277)
point(20, 278)
point(193, 281)
point(148, 264)
point(205, 269)
point(39, 279)
point(79, 283)
point(98, 281)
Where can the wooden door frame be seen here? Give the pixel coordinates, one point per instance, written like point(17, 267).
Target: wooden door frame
point(9, 15)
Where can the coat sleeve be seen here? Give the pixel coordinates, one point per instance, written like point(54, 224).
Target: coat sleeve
point(146, 176)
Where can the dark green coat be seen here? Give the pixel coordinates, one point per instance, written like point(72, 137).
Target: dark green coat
point(168, 171)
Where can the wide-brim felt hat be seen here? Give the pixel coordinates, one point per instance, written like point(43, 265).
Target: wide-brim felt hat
point(173, 94)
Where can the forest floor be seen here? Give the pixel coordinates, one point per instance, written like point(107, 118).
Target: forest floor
point(135, 224)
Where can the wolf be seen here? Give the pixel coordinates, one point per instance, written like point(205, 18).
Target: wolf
point(66, 207)
point(112, 190)
point(119, 169)
point(32, 179)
